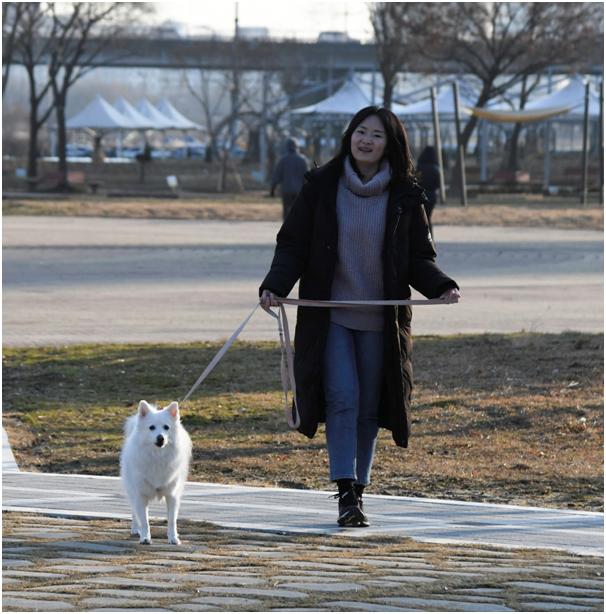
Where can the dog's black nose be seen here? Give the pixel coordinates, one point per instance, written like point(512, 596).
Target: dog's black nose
point(159, 440)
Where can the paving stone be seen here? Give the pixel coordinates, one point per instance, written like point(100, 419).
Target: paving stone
point(99, 557)
point(41, 593)
point(566, 599)
point(478, 591)
point(117, 581)
point(59, 588)
point(314, 578)
point(115, 602)
point(545, 587)
point(299, 610)
point(224, 601)
point(93, 547)
point(88, 569)
point(386, 584)
point(362, 606)
point(206, 578)
point(401, 579)
point(597, 585)
point(513, 569)
point(7, 581)
point(393, 564)
point(551, 606)
point(265, 592)
point(129, 610)
point(444, 604)
point(314, 565)
point(14, 562)
point(47, 533)
point(14, 573)
point(15, 549)
point(193, 607)
point(333, 587)
point(34, 604)
point(127, 593)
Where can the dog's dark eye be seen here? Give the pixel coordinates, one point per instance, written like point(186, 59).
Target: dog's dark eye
point(152, 428)
point(166, 427)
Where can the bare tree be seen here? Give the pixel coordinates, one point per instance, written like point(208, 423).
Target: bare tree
point(220, 116)
point(528, 85)
point(34, 35)
point(501, 43)
point(84, 33)
point(11, 18)
point(396, 26)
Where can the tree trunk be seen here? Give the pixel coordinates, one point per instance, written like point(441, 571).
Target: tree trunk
point(32, 147)
point(62, 185)
point(512, 157)
point(388, 90)
point(223, 172)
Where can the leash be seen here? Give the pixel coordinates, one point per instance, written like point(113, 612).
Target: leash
point(287, 374)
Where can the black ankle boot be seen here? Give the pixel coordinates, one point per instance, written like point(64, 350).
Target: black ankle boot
point(350, 514)
point(359, 491)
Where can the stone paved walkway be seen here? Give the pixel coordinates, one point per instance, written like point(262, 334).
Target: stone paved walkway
point(92, 565)
point(66, 546)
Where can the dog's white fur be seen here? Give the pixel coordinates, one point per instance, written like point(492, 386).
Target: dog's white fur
point(154, 463)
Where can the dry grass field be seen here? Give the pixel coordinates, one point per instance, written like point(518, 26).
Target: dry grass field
point(498, 418)
point(492, 210)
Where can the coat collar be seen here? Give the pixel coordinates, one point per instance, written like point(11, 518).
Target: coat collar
point(326, 177)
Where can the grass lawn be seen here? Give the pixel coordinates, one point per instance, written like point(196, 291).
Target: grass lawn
point(500, 210)
point(498, 418)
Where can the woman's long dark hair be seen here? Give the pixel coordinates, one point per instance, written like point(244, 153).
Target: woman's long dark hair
point(397, 150)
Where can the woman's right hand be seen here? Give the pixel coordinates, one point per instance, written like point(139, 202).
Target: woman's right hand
point(268, 299)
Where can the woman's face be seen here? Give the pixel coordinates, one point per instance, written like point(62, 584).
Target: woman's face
point(368, 141)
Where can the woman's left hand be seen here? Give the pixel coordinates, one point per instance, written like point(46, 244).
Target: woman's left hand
point(452, 295)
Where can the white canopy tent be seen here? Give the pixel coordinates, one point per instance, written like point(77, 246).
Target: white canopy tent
point(138, 120)
point(99, 115)
point(160, 121)
point(346, 101)
point(181, 122)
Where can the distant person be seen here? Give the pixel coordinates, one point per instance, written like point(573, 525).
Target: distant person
point(428, 171)
point(289, 173)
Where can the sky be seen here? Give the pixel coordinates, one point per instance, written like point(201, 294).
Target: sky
point(285, 18)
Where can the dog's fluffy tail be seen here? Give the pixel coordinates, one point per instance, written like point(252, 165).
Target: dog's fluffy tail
point(129, 425)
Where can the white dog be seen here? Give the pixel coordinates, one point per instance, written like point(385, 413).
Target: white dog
point(154, 463)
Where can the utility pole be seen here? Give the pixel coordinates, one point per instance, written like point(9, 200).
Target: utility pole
point(460, 150)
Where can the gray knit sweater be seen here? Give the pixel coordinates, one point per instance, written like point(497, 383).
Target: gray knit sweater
point(358, 275)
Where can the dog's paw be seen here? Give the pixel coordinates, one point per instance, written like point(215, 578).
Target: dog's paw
point(175, 541)
point(145, 541)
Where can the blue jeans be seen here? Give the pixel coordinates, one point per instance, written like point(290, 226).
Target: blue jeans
point(353, 372)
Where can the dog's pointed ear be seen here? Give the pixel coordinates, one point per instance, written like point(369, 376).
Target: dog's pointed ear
point(173, 410)
point(144, 408)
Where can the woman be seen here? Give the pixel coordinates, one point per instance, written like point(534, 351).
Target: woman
point(428, 171)
point(357, 231)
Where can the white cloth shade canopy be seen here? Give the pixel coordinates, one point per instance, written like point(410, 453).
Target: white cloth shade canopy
point(100, 115)
point(568, 99)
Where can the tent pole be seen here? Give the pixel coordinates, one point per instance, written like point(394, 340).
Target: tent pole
point(460, 152)
point(438, 142)
point(601, 139)
point(585, 156)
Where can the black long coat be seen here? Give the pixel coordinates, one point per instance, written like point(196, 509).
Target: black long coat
point(307, 250)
